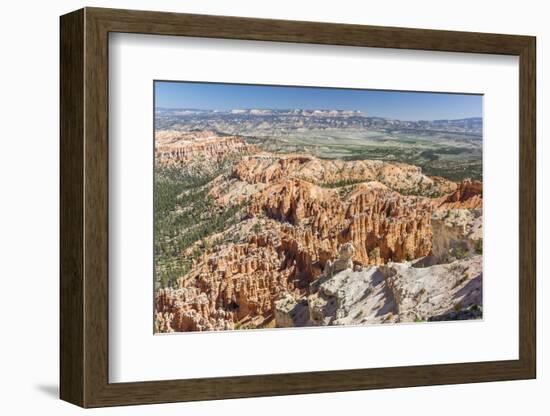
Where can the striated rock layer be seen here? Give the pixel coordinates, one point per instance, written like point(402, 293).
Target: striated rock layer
point(267, 168)
point(177, 148)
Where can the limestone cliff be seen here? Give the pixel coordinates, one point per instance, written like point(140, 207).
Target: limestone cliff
point(174, 148)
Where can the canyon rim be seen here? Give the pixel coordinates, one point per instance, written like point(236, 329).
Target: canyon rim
point(280, 207)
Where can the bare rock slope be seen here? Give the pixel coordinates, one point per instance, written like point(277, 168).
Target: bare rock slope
point(396, 292)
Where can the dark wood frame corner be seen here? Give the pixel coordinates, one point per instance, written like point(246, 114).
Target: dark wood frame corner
point(84, 207)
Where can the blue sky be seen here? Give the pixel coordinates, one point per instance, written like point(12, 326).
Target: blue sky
point(391, 104)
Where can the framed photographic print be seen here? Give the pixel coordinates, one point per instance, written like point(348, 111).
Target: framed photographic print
point(260, 207)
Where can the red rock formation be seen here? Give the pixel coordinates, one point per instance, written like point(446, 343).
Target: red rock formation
point(306, 226)
point(397, 226)
point(468, 195)
point(228, 285)
point(267, 168)
point(294, 200)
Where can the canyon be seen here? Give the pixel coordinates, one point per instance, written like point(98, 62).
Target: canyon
point(291, 239)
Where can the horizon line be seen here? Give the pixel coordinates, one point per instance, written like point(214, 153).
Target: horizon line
point(363, 114)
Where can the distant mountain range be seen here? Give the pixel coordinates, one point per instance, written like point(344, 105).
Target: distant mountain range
point(306, 118)
point(266, 112)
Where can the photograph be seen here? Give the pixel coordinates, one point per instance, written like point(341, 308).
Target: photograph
point(289, 206)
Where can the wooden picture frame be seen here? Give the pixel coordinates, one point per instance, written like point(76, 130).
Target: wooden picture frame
point(84, 207)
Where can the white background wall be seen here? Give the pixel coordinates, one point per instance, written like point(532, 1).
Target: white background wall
point(29, 158)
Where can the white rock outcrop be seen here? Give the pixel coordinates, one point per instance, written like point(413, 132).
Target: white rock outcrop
point(396, 292)
point(290, 312)
point(456, 233)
